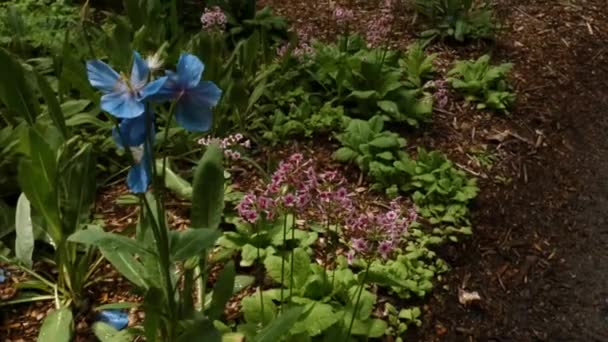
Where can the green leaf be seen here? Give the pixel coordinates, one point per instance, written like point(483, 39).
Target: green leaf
point(174, 182)
point(208, 190)
point(24, 231)
point(15, 93)
point(385, 142)
point(389, 107)
point(252, 308)
point(127, 265)
point(109, 241)
point(106, 333)
point(320, 317)
point(57, 327)
point(249, 254)
point(345, 154)
point(37, 178)
point(222, 291)
point(73, 107)
point(154, 300)
point(280, 326)
point(363, 95)
point(241, 282)
point(191, 242)
point(301, 268)
point(53, 107)
point(200, 330)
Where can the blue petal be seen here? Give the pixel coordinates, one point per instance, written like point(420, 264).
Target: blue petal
point(122, 105)
point(157, 90)
point(193, 115)
point(2, 276)
point(206, 93)
point(139, 72)
point(132, 131)
point(189, 70)
point(118, 319)
point(138, 178)
point(103, 77)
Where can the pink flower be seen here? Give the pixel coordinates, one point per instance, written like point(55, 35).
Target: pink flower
point(385, 248)
point(289, 200)
point(213, 19)
point(359, 245)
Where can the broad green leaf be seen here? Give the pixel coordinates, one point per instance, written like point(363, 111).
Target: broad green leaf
point(57, 327)
point(15, 92)
point(53, 107)
point(301, 268)
point(127, 265)
point(109, 241)
point(73, 107)
point(154, 300)
point(191, 242)
point(37, 178)
point(389, 107)
point(174, 182)
point(78, 180)
point(320, 317)
point(252, 308)
point(106, 333)
point(24, 231)
point(222, 291)
point(280, 326)
point(200, 330)
point(208, 190)
point(363, 95)
point(385, 142)
point(345, 154)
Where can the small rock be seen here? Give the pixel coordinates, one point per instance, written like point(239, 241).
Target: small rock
point(466, 298)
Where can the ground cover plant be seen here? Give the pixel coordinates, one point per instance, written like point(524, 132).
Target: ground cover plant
point(235, 231)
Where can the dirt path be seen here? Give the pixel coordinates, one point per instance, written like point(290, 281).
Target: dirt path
point(539, 257)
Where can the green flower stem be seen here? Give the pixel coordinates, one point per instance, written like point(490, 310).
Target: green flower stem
point(283, 260)
point(261, 292)
point(164, 143)
point(291, 272)
point(356, 308)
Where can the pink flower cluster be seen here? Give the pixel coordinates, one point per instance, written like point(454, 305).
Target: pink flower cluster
point(343, 15)
point(441, 94)
point(293, 188)
point(379, 234)
point(214, 19)
point(380, 25)
point(228, 144)
point(303, 48)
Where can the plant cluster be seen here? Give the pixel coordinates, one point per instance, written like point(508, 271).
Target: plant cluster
point(482, 83)
point(458, 19)
point(321, 264)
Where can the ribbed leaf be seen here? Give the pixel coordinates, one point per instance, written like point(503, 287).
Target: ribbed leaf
point(57, 326)
point(15, 92)
point(53, 107)
point(208, 190)
point(24, 231)
point(222, 292)
point(280, 326)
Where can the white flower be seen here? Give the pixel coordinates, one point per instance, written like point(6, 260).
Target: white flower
point(154, 61)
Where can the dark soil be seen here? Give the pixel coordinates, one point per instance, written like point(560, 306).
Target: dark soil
point(538, 256)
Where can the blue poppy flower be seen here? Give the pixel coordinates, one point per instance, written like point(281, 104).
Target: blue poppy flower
point(194, 98)
point(118, 319)
point(132, 134)
point(123, 97)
